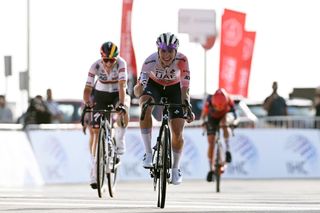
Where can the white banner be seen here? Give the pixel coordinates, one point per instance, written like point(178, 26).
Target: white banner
point(275, 153)
point(18, 165)
point(257, 153)
point(63, 155)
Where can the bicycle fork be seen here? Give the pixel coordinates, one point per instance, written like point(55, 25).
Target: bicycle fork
point(108, 153)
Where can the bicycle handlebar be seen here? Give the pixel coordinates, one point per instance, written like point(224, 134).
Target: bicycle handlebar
point(167, 105)
point(231, 126)
point(109, 109)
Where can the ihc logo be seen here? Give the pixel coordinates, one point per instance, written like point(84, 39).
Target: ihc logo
point(245, 156)
point(301, 155)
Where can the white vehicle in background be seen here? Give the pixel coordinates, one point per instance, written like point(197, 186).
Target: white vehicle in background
point(300, 107)
point(300, 114)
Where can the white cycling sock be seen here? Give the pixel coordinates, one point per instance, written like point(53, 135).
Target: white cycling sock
point(146, 137)
point(93, 160)
point(120, 139)
point(176, 159)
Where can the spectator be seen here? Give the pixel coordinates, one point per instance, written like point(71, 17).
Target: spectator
point(37, 112)
point(274, 104)
point(53, 107)
point(5, 112)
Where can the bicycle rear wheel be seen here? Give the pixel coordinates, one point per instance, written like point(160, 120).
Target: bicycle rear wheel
point(164, 166)
point(112, 176)
point(101, 161)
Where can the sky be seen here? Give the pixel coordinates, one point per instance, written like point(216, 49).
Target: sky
point(66, 35)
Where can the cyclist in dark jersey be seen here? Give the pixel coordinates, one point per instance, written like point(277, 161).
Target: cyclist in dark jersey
point(214, 113)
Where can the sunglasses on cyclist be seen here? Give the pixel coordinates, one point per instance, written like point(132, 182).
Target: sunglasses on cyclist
point(109, 60)
point(169, 50)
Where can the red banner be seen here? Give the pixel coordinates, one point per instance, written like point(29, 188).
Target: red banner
point(243, 73)
point(232, 31)
point(126, 46)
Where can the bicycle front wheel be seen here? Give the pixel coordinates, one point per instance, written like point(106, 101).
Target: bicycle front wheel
point(112, 175)
point(217, 172)
point(218, 177)
point(164, 166)
point(101, 161)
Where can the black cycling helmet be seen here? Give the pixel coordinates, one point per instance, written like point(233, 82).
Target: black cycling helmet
point(109, 50)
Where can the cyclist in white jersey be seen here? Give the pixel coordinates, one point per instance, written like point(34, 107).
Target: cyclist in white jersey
point(109, 88)
point(165, 73)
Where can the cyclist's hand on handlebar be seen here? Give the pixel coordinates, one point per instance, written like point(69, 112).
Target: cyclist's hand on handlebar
point(235, 123)
point(190, 117)
point(190, 114)
point(121, 109)
point(84, 128)
point(204, 124)
point(89, 105)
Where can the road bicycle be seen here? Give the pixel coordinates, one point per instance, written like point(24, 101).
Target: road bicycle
point(107, 161)
point(219, 158)
point(162, 151)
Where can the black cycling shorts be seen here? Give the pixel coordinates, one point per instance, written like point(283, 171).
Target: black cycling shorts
point(213, 125)
point(172, 93)
point(102, 100)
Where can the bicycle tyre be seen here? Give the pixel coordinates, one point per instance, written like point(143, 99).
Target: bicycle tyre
point(101, 162)
point(112, 176)
point(218, 177)
point(164, 165)
point(217, 172)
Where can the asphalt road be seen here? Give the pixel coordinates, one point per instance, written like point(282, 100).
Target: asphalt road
point(191, 196)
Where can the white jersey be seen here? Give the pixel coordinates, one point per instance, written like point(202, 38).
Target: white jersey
point(177, 72)
point(107, 82)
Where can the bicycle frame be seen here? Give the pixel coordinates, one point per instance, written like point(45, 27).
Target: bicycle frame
point(162, 151)
point(219, 160)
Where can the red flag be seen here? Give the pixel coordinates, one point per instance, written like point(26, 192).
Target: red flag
point(126, 46)
point(243, 73)
point(232, 31)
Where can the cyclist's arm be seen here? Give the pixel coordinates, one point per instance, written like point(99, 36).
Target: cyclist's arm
point(205, 111)
point(122, 91)
point(122, 80)
point(185, 94)
point(143, 76)
point(185, 77)
point(89, 83)
point(86, 94)
point(232, 108)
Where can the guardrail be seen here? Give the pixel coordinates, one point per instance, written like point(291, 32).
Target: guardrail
point(300, 122)
point(291, 122)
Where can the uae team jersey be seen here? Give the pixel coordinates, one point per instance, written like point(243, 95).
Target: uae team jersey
point(177, 72)
point(107, 82)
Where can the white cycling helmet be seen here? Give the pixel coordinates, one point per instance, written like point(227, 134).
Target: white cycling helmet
point(167, 41)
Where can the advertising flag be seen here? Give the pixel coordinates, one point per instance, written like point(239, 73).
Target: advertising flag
point(126, 45)
point(232, 32)
point(243, 73)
